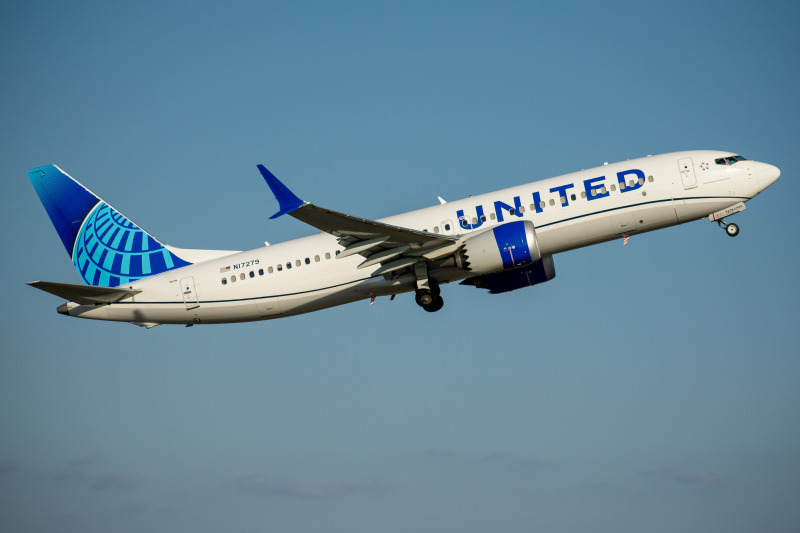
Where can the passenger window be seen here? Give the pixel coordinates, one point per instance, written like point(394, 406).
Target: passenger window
point(233, 279)
point(288, 265)
point(241, 276)
point(224, 281)
point(447, 227)
point(542, 204)
point(436, 229)
point(491, 215)
point(613, 187)
point(641, 181)
point(316, 259)
point(521, 209)
point(483, 218)
point(327, 255)
point(270, 270)
point(280, 267)
point(252, 274)
point(583, 193)
point(603, 189)
point(338, 252)
point(573, 197)
point(511, 211)
point(474, 220)
point(260, 271)
point(563, 200)
point(650, 179)
point(464, 223)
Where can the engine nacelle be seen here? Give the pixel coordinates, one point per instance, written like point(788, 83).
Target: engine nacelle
point(510, 280)
point(503, 247)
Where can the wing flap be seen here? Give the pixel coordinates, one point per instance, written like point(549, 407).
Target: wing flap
point(84, 294)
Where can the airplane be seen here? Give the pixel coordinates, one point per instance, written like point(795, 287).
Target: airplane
point(500, 241)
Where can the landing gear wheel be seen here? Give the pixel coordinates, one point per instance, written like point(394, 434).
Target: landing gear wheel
point(425, 298)
point(732, 230)
point(438, 303)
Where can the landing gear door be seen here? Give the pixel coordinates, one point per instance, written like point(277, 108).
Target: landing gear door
point(687, 173)
point(189, 294)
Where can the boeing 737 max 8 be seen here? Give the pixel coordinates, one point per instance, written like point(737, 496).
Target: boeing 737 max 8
point(500, 241)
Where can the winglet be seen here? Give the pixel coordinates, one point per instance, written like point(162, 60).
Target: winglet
point(287, 201)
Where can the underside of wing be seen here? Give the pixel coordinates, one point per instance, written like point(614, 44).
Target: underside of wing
point(393, 247)
point(84, 294)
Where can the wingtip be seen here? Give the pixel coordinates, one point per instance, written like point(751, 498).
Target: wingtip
point(287, 200)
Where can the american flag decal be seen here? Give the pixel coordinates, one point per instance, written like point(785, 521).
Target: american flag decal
point(224, 269)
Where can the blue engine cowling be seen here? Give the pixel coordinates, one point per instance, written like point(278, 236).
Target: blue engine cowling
point(509, 280)
point(503, 247)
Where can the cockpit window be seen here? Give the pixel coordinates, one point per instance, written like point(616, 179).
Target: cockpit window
point(729, 160)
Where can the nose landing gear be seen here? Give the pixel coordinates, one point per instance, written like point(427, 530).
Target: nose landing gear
point(731, 229)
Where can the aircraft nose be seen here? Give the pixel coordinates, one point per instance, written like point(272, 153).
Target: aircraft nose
point(768, 175)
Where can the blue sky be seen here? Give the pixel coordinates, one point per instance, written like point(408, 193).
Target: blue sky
point(646, 388)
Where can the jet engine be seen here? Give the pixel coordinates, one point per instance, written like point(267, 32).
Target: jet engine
point(503, 247)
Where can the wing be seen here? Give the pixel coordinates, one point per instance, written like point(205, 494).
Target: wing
point(393, 247)
point(84, 294)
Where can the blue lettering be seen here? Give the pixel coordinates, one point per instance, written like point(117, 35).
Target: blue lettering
point(537, 202)
point(499, 206)
point(562, 192)
point(465, 223)
point(594, 192)
point(638, 182)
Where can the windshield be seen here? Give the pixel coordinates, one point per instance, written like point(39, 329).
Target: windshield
point(729, 160)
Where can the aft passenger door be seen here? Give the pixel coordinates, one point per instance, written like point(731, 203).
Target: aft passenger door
point(189, 294)
point(687, 173)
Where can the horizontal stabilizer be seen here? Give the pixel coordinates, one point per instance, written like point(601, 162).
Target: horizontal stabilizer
point(84, 294)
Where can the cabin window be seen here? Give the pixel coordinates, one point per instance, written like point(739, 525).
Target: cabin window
point(613, 187)
point(492, 216)
point(280, 267)
point(260, 271)
point(241, 276)
point(603, 189)
point(270, 270)
point(474, 220)
point(464, 223)
point(641, 181)
point(252, 274)
point(224, 281)
point(563, 200)
point(233, 279)
point(573, 197)
point(308, 261)
point(542, 204)
point(327, 255)
point(521, 209)
point(483, 218)
point(288, 265)
point(447, 227)
point(436, 229)
point(552, 202)
point(297, 262)
point(583, 193)
point(338, 252)
point(650, 179)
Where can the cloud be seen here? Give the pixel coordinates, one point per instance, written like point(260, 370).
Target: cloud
point(512, 461)
point(117, 481)
point(707, 478)
point(308, 489)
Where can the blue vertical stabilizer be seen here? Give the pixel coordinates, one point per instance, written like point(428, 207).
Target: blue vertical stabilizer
point(106, 247)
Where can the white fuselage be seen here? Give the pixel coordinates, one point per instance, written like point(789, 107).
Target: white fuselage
point(568, 212)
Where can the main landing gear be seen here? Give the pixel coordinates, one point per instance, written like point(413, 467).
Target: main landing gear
point(427, 294)
point(731, 229)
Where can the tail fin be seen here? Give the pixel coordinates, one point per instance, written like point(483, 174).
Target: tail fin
point(105, 246)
